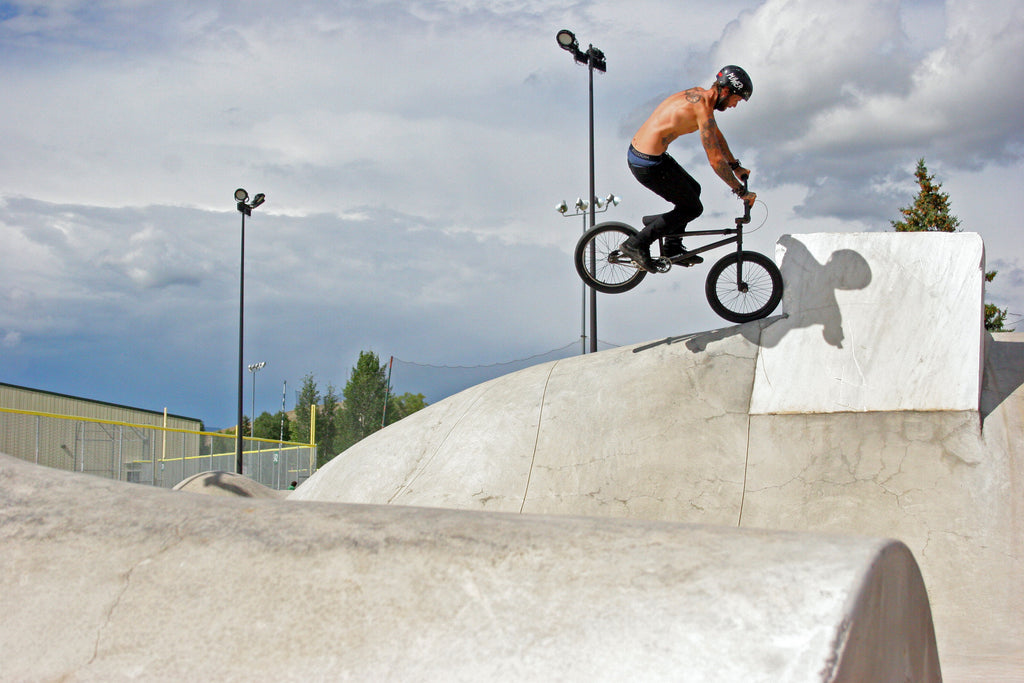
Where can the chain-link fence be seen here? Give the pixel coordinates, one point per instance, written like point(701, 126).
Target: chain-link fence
point(147, 454)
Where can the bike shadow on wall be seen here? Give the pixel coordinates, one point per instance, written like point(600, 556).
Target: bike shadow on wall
point(809, 299)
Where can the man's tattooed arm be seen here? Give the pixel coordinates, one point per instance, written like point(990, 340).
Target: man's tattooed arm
point(718, 153)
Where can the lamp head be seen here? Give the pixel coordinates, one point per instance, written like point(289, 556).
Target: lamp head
point(258, 199)
point(567, 40)
point(241, 195)
point(613, 200)
point(581, 204)
point(562, 208)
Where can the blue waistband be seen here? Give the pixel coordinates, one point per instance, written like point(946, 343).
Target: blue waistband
point(638, 158)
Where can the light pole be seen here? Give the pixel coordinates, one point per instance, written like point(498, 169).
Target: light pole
point(581, 210)
point(594, 59)
point(254, 368)
point(244, 207)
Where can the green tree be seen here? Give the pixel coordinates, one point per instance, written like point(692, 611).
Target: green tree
point(930, 210)
point(363, 409)
point(930, 213)
point(995, 318)
point(309, 396)
point(328, 427)
point(269, 426)
point(403, 406)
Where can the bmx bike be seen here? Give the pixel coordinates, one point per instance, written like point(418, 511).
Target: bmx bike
point(741, 286)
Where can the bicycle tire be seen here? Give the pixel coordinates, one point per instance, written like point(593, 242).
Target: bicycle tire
point(611, 273)
point(759, 294)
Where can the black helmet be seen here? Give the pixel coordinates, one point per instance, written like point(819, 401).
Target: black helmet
point(736, 80)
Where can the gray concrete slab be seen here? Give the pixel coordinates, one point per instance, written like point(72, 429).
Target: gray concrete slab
point(108, 581)
point(669, 430)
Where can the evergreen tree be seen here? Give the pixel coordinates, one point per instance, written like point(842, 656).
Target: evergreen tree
point(328, 427)
point(309, 396)
point(930, 213)
point(363, 410)
point(930, 210)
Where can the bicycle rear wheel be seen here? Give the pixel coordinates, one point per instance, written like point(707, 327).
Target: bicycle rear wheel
point(743, 297)
point(606, 269)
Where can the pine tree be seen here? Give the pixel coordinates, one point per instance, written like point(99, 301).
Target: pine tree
point(328, 427)
point(363, 409)
point(930, 210)
point(309, 396)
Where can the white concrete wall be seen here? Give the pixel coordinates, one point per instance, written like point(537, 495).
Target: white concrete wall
point(875, 322)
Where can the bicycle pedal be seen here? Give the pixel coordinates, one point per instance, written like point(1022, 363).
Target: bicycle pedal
point(687, 260)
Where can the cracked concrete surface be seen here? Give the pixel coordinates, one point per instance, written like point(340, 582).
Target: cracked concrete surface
point(870, 407)
point(108, 581)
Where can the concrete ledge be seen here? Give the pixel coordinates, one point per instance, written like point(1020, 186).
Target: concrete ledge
point(875, 322)
point(102, 580)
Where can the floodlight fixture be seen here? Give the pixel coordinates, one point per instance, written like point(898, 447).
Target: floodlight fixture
point(581, 204)
point(241, 195)
point(567, 40)
point(257, 200)
point(562, 208)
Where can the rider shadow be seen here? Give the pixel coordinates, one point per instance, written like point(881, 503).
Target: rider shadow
point(809, 299)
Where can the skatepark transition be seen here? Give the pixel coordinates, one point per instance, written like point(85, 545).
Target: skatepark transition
point(830, 494)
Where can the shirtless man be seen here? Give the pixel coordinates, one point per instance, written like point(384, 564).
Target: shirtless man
point(683, 113)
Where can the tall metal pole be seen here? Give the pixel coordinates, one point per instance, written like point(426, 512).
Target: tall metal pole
point(594, 59)
point(241, 366)
point(593, 202)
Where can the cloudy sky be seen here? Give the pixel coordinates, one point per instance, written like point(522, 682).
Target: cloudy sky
point(412, 153)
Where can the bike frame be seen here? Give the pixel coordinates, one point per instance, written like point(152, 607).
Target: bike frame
point(737, 237)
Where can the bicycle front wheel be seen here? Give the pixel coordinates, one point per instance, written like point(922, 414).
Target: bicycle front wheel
point(600, 263)
point(744, 293)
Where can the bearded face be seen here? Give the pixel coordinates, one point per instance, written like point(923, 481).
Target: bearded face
point(723, 96)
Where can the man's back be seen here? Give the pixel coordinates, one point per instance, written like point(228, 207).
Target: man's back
point(677, 115)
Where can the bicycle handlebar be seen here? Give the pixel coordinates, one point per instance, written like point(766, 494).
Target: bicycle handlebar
point(746, 207)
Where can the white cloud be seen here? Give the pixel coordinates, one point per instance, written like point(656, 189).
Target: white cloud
point(412, 153)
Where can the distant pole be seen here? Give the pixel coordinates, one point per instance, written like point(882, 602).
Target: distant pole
point(387, 392)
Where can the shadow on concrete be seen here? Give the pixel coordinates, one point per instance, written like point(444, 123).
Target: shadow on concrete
point(813, 303)
point(220, 481)
point(1004, 372)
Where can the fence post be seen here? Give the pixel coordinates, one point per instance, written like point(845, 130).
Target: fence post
point(312, 437)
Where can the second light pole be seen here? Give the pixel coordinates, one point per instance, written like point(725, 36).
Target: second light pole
point(254, 368)
point(593, 58)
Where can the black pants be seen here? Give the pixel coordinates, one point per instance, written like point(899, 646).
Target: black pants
point(663, 176)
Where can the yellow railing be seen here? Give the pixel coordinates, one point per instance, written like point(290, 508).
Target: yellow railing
point(147, 454)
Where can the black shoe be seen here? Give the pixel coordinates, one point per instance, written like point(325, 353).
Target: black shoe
point(672, 249)
point(640, 254)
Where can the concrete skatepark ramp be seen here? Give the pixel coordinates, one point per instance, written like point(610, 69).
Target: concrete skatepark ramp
point(107, 581)
point(875, 405)
point(874, 408)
